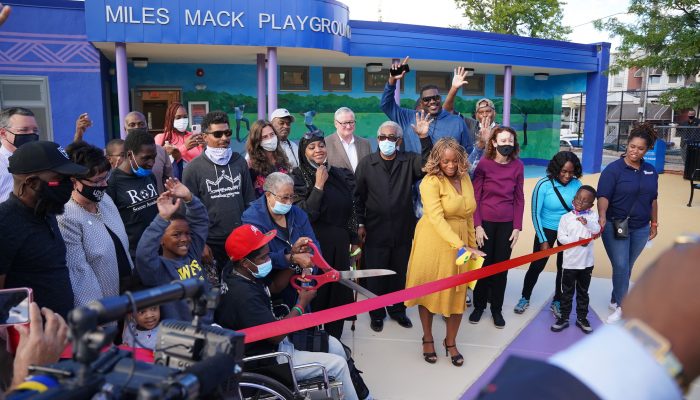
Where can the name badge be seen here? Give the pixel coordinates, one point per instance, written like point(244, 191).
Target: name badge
point(648, 172)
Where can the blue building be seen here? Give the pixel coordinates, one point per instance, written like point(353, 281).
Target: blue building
point(62, 58)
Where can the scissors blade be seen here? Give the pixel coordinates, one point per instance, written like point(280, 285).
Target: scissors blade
point(365, 273)
point(357, 288)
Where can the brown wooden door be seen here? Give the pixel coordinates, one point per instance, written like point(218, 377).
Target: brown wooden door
point(153, 103)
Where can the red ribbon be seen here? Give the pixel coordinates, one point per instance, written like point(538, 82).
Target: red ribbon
point(283, 327)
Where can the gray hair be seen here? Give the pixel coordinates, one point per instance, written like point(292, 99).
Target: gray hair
point(7, 113)
point(275, 180)
point(391, 124)
point(343, 110)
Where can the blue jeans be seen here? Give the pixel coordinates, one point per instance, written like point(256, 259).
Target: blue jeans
point(622, 254)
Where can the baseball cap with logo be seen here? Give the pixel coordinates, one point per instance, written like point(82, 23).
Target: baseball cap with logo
point(43, 155)
point(245, 239)
point(480, 104)
point(281, 113)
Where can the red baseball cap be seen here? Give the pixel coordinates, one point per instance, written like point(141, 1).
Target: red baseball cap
point(245, 239)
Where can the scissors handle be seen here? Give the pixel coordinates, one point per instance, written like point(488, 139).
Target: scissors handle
point(316, 281)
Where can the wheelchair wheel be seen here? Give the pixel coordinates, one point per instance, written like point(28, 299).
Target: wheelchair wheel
point(255, 386)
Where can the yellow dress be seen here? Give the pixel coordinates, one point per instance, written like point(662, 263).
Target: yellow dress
point(447, 225)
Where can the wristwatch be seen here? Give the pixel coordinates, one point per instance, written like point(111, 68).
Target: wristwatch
point(659, 348)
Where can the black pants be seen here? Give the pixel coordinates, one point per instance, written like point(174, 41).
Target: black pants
point(536, 267)
point(393, 258)
point(579, 280)
point(497, 249)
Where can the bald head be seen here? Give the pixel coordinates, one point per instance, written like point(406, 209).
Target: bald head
point(135, 120)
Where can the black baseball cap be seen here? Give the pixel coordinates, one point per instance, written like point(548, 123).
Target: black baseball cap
point(43, 155)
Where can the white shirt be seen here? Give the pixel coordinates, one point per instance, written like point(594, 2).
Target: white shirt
point(572, 230)
point(292, 151)
point(350, 150)
point(5, 175)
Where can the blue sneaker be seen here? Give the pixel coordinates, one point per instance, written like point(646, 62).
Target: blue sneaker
point(555, 307)
point(522, 305)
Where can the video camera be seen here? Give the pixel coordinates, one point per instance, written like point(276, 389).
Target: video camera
point(191, 360)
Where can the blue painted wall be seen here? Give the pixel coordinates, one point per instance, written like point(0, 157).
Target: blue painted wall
point(55, 36)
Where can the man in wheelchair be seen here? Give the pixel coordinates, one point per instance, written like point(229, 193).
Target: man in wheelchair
point(245, 302)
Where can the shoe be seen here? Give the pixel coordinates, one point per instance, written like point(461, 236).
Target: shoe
point(403, 321)
point(475, 316)
point(457, 360)
point(522, 305)
point(469, 300)
point(584, 325)
point(498, 320)
point(377, 325)
point(560, 325)
point(612, 306)
point(615, 316)
point(555, 307)
point(430, 358)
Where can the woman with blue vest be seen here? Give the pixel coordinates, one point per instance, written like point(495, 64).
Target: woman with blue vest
point(551, 199)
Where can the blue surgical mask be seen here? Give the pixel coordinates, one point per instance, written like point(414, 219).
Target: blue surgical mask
point(139, 170)
point(387, 147)
point(281, 208)
point(263, 269)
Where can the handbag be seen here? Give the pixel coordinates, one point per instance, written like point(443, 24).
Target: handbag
point(563, 203)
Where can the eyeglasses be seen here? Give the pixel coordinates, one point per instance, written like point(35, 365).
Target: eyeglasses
point(346, 124)
point(117, 155)
point(24, 131)
point(390, 138)
point(313, 134)
point(101, 182)
point(427, 99)
point(286, 199)
point(219, 134)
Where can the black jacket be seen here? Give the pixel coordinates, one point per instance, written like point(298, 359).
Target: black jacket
point(384, 199)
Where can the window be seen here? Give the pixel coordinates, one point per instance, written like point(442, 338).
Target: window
point(475, 87)
point(443, 80)
point(654, 79)
point(30, 92)
point(675, 79)
point(337, 79)
point(294, 78)
point(375, 81)
point(499, 86)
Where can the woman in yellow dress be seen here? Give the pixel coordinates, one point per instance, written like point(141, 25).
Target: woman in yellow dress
point(446, 226)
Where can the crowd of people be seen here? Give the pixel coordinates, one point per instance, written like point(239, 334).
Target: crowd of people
point(84, 223)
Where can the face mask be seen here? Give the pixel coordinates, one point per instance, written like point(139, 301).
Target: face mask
point(269, 144)
point(139, 170)
point(218, 155)
point(281, 208)
point(24, 139)
point(505, 149)
point(387, 147)
point(134, 130)
point(93, 193)
point(181, 124)
point(53, 198)
point(313, 164)
point(263, 269)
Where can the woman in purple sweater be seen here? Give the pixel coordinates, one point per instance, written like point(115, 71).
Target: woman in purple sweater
point(498, 189)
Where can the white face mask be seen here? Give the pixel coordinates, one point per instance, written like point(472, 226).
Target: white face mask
point(269, 144)
point(219, 156)
point(181, 124)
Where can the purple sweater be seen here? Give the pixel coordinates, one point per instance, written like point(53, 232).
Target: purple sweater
point(498, 189)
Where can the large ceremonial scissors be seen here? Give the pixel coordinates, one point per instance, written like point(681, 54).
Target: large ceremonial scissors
point(313, 282)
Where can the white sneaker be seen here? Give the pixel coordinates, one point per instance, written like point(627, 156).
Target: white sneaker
point(612, 306)
point(615, 316)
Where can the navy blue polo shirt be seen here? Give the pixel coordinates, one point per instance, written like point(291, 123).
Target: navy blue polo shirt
point(630, 191)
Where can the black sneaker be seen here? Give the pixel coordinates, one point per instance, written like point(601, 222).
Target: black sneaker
point(584, 325)
point(560, 325)
point(498, 320)
point(475, 316)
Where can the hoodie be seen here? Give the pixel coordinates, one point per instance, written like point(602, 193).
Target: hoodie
point(446, 124)
point(157, 270)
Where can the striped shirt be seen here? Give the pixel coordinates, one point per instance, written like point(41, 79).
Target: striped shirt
point(5, 175)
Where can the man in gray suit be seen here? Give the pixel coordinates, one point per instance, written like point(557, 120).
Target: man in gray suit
point(345, 149)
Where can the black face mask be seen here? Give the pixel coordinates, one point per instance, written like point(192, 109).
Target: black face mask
point(133, 130)
point(24, 139)
point(505, 149)
point(92, 193)
point(52, 199)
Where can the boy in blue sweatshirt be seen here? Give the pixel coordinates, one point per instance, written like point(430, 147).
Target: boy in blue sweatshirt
point(182, 239)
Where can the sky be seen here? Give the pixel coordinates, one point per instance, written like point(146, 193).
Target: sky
point(444, 13)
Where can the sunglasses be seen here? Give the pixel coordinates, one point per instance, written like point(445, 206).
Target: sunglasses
point(429, 98)
point(313, 134)
point(382, 138)
point(219, 134)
